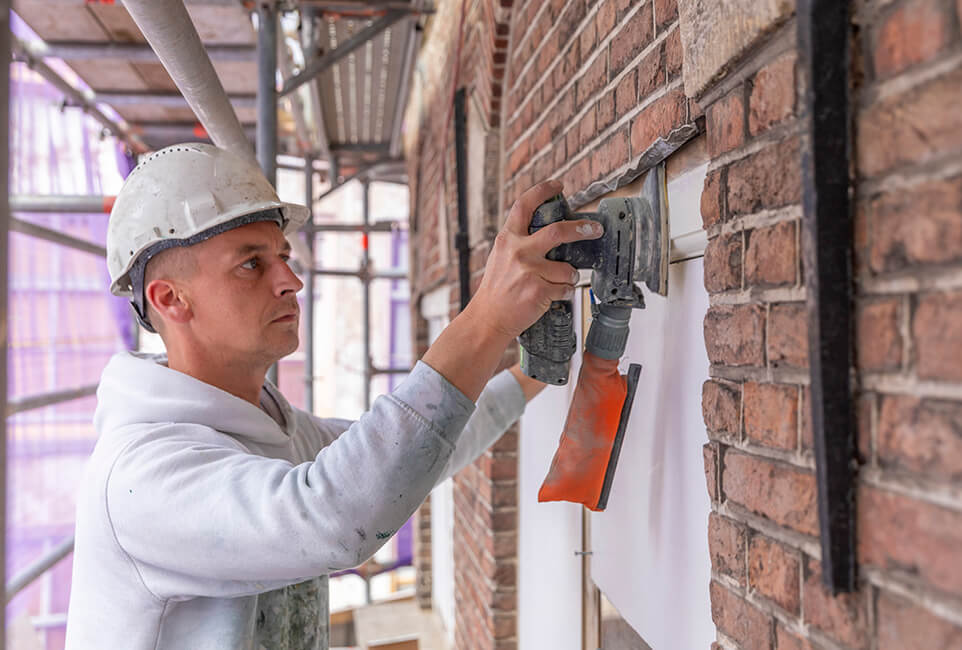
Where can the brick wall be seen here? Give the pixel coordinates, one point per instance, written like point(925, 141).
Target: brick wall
point(766, 588)
point(582, 90)
point(485, 493)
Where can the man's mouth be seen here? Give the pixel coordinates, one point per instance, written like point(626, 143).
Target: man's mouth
point(286, 318)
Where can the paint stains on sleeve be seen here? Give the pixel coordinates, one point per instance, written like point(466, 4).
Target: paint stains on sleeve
point(383, 535)
point(360, 533)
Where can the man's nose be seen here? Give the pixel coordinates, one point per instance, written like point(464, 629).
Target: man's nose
point(285, 279)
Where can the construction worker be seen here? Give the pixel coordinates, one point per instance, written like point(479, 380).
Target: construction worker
point(207, 495)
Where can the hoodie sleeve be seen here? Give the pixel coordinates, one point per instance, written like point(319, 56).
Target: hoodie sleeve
point(499, 406)
point(198, 515)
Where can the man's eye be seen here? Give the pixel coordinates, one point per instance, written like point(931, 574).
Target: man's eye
point(286, 258)
point(250, 264)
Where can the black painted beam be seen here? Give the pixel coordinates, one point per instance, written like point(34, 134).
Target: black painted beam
point(827, 241)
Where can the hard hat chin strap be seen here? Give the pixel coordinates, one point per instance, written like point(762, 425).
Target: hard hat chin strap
point(139, 300)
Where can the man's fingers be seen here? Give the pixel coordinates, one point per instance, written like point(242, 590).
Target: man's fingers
point(520, 216)
point(557, 272)
point(563, 232)
point(561, 291)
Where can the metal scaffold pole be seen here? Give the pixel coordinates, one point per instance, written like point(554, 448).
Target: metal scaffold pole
point(309, 290)
point(266, 148)
point(366, 293)
point(4, 277)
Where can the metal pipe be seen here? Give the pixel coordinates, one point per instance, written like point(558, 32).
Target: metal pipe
point(461, 239)
point(407, 69)
point(133, 52)
point(360, 172)
point(390, 371)
point(78, 203)
point(87, 99)
point(57, 237)
point(267, 107)
point(168, 28)
point(4, 278)
point(23, 579)
point(296, 100)
point(309, 291)
point(377, 226)
point(167, 100)
point(320, 64)
point(32, 402)
point(386, 274)
point(309, 50)
point(366, 291)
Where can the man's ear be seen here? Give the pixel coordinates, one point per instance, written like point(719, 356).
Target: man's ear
point(168, 301)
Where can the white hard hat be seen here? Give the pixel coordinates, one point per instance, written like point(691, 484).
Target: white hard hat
point(180, 196)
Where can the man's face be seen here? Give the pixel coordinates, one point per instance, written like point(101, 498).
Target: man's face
point(243, 294)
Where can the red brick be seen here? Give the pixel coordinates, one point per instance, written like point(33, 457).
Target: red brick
point(673, 54)
point(777, 491)
point(937, 336)
point(913, 32)
point(843, 617)
point(519, 157)
point(657, 120)
point(594, 79)
point(912, 127)
point(770, 256)
point(921, 435)
point(788, 335)
point(773, 570)
point(726, 123)
point(711, 199)
point(651, 73)
point(914, 227)
point(903, 624)
point(770, 178)
point(587, 128)
point(606, 110)
point(750, 628)
point(726, 547)
point(734, 335)
point(710, 453)
point(610, 154)
point(626, 93)
point(720, 403)
point(785, 640)
point(666, 12)
point(771, 414)
point(901, 533)
point(565, 69)
point(865, 406)
point(631, 39)
point(772, 98)
point(605, 17)
point(878, 339)
point(589, 35)
point(723, 263)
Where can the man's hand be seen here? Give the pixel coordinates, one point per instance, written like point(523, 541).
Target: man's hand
point(519, 283)
point(518, 286)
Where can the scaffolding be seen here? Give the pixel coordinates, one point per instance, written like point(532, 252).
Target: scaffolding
point(327, 150)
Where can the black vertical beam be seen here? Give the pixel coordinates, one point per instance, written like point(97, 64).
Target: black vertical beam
point(461, 238)
point(827, 236)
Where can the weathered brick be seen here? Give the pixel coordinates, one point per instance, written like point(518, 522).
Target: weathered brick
point(726, 123)
point(750, 628)
point(843, 617)
point(771, 414)
point(915, 31)
point(878, 338)
point(901, 533)
point(726, 546)
point(710, 452)
point(593, 80)
point(774, 490)
point(666, 12)
point(606, 110)
point(631, 39)
point(610, 154)
point(912, 127)
point(772, 98)
point(589, 35)
point(651, 73)
point(673, 54)
point(770, 256)
point(605, 17)
point(788, 335)
point(937, 336)
point(773, 570)
point(903, 624)
point(723, 263)
point(711, 199)
point(519, 157)
point(922, 225)
point(657, 120)
point(626, 93)
point(720, 403)
point(921, 435)
point(785, 640)
point(587, 129)
point(770, 178)
point(734, 335)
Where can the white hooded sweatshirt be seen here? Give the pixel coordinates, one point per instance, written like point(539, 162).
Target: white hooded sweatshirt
point(195, 502)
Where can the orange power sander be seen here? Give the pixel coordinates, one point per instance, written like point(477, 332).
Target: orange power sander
point(634, 249)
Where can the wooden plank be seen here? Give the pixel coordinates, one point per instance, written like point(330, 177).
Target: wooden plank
point(224, 25)
point(237, 77)
point(55, 21)
point(109, 75)
point(118, 23)
point(155, 76)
